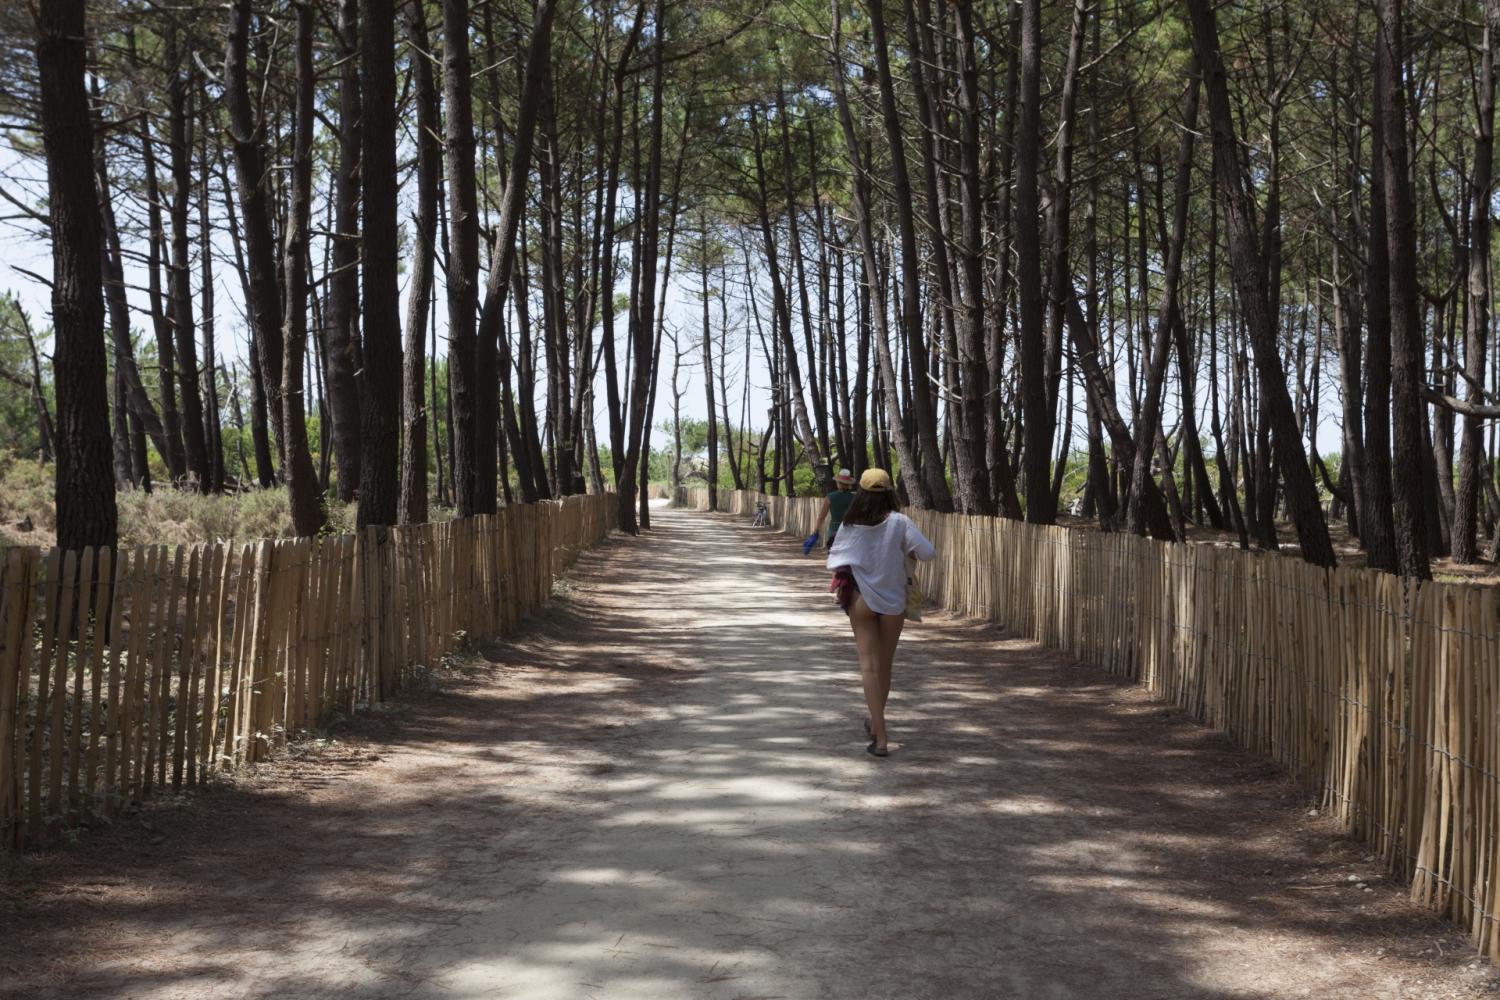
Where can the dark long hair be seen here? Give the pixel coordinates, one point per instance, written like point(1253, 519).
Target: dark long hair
point(871, 506)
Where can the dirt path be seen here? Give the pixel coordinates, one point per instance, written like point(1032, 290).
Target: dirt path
point(661, 792)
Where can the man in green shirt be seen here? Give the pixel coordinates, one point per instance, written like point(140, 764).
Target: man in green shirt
point(835, 505)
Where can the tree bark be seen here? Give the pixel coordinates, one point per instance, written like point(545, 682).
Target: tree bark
point(462, 277)
point(85, 484)
point(252, 183)
point(1059, 220)
point(1476, 332)
point(781, 315)
point(301, 478)
point(212, 413)
point(1149, 423)
point(380, 382)
point(180, 111)
point(708, 369)
point(935, 482)
point(975, 485)
point(1039, 419)
point(607, 251)
point(1406, 333)
point(265, 468)
point(339, 339)
point(1248, 265)
point(643, 295)
point(138, 403)
point(502, 261)
point(412, 508)
point(171, 447)
point(911, 475)
point(1380, 526)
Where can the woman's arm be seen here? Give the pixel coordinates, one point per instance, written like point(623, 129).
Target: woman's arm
point(822, 513)
point(917, 543)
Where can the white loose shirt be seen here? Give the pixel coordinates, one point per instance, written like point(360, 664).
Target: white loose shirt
point(876, 555)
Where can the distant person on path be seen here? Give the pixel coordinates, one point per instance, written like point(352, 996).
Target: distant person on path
point(870, 578)
point(835, 506)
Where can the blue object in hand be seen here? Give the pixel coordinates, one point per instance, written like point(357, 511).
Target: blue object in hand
point(809, 542)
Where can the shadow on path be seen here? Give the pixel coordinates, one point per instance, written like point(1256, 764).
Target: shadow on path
point(660, 790)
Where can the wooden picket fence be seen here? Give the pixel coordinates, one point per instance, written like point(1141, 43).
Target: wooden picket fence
point(1382, 695)
point(122, 672)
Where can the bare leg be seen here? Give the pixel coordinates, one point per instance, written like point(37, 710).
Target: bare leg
point(890, 635)
point(866, 625)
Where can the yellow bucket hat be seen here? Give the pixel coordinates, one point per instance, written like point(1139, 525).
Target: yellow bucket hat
point(876, 481)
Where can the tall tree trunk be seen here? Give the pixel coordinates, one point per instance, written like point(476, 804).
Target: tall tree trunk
point(1406, 332)
point(971, 476)
point(502, 261)
point(171, 446)
point(1380, 526)
point(818, 455)
point(85, 484)
point(997, 457)
point(161, 323)
point(708, 369)
point(252, 183)
point(380, 382)
point(781, 314)
point(265, 468)
point(555, 325)
point(978, 498)
point(1476, 332)
point(1059, 218)
point(519, 415)
point(1194, 465)
point(301, 478)
point(1157, 518)
point(935, 481)
point(1149, 424)
point(916, 483)
point(212, 418)
point(462, 277)
point(413, 503)
point(138, 403)
point(1039, 418)
point(119, 430)
point(607, 251)
point(1248, 265)
point(180, 110)
point(1223, 456)
point(339, 339)
point(1347, 329)
point(643, 296)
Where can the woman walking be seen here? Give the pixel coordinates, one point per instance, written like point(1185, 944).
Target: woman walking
point(835, 506)
point(870, 577)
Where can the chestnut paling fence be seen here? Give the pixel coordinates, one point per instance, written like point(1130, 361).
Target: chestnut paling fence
point(1381, 694)
point(125, 672)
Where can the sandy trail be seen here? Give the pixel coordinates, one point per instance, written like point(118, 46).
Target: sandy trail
point(661, 791)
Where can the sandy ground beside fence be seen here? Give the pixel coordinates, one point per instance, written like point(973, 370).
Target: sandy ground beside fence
point(661, 791)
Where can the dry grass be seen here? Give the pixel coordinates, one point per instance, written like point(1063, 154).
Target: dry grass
point(164, 516)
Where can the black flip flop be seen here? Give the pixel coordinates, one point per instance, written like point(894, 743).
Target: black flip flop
point(875, 750)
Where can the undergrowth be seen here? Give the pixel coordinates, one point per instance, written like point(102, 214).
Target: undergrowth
point(165, 516)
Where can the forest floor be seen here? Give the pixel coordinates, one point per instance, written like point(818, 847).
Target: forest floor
point(660, 790)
